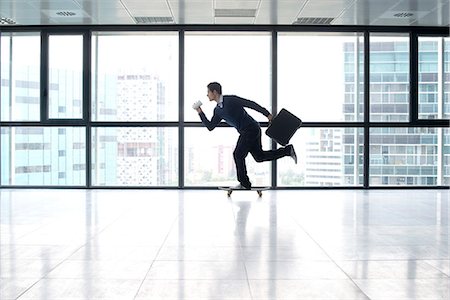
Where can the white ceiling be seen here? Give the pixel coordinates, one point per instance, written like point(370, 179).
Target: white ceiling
point(341, 12)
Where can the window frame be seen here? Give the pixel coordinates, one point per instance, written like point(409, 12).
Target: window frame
point(366, 124)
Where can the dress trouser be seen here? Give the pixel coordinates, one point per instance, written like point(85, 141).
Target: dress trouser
point(250, 142)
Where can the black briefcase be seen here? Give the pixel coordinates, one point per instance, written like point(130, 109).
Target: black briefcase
point(283, 127)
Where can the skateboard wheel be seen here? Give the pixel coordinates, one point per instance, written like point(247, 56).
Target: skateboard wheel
point(259, 193)
point(229, 193)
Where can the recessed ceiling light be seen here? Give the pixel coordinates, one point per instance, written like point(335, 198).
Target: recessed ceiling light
point(153, 20)
point(313, 21)
point(7, 21)
point(66, 13)
point(234, 13)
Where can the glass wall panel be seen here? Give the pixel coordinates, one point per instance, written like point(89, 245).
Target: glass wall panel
point(408, 156)
point(134, 156)
point(389, 78)
point(209, 159)
point(320, 76)
point(240, 62)
point(134, 76)
point(43, 156)
point(434, 77)
point(326, 157)
point(65, 91)
point(445, 163)
point(20, 76)
point(446, 79)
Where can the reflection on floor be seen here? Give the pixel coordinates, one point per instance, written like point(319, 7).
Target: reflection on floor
point(170, 244)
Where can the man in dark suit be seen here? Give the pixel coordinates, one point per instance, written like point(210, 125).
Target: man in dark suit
point(231, 109)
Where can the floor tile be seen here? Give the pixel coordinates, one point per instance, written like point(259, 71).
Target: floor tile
point(12, 288)
point(197, 270)
point(442, 265)
point(395, 269)
point(294, 270)
point(124, 269)
point(387, 289)
point(53, 289)
point(199, 253)
point(305, 289)
point(194, 290)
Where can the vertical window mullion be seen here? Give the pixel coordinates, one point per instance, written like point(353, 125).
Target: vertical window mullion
point(366, 158)
point(44, 76)
point(87, 36)
point(414, 78)
point(274, 97)
point(181, 109)
point(441, 71)
point(440, 103)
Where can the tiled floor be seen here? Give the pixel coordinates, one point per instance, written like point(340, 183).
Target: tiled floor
point(152, 244)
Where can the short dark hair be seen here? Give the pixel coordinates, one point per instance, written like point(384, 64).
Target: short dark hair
point(215, 86)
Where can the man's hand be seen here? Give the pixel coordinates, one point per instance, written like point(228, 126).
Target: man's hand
point(197, 105)
point(270, 117)
point(199, 110)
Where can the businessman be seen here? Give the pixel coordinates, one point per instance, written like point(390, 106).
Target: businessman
point(231, 109)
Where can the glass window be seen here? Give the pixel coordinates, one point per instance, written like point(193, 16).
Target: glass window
point(240, 62)
point(389, 78)
point(134, 156)
point(326, 157)
point(20, 76)
point(318, 71)
point(209, 159)
point(408, 156)
point(434, 78)
point(134, 76)
point(445, 157)
point(65, 91)
point(43, 156)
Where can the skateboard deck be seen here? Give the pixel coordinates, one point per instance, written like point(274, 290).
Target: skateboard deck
point(283, 127)
point(230, 190)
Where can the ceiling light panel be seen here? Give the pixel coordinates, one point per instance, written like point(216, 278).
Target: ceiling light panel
point(22, 13)
point(13, 7)
point(365, 12)
point(115, 17)
point(418, 5)
point(325, 8)
point(279, 12)
point(227, 4)
point(146, 5)
point(102, 7)
point(231, 20)
point(192, 12)
point(55, 5)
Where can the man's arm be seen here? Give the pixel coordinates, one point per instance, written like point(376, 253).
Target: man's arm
point(255, 106)
point(209, 124)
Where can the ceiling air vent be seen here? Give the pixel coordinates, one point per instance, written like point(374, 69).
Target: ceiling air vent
point(235, 13)
point(403, 15)
point(66, 13)
point(408, 16)
point(7, 21)
point(153, 20)
point(313, 21)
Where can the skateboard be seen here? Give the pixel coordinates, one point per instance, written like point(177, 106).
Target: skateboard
point(283, 127)
point(257, 189)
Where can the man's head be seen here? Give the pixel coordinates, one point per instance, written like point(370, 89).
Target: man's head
point(214, 91)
